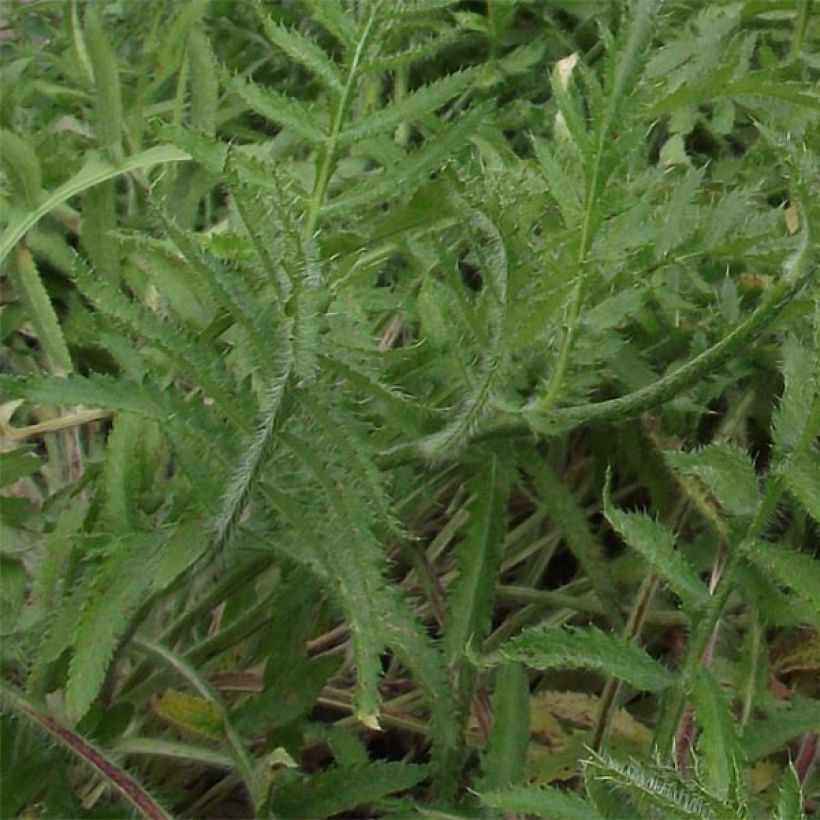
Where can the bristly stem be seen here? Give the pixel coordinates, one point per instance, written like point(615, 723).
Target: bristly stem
point(129, 788)
point(633, 628)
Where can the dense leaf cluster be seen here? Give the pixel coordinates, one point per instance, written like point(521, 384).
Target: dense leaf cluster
point(409, 406)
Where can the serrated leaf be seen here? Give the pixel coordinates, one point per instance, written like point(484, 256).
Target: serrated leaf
point(661, 788)
point(116, 594)
point(280, 109)
point(543, 647)
point(419, 103)
point(656, 544)
point(795, 407)
point(337, 791)
point(94, 390)
point(302, 49)
point(802, 476)
point(727, 471)
point(719, 747)
point(478, 557)
point(720, 86)
point(546, 801)
point(502, 763)
point(789, 796)
point(564, 188)
point(32, 293)
point(22, 167)
point(786, 565)
point(275, 410)
point(409, 173)
point(108, 98)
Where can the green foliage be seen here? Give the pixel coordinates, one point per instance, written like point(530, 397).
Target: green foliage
point(401, 399)
point(588, 648)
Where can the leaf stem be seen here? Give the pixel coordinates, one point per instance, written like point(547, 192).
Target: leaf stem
point(328, 160)
point(129, 788)
point(672, 709)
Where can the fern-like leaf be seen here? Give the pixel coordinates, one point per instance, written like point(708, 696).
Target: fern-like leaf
point(492, 256)
point(274, 412)
point(279, 109)
point(413, 106)
point(302, 49)
point(410, 173)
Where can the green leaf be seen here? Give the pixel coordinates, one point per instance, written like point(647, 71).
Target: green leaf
point(29, 286)
point(413, 106)
point(22, 167)
point(802, 476)
point(108, 99)
point(488, 245)
point(407, 175)
point(341, 790)
point(729, 474)
point(719, 85)
point(116, 594)
point(275, 410)
point(784, 722)
point(786, 565)
point(121, 474)
point(662, 789)
point(789, 797)
point(204, 83)
point(543, 647)
point(280, 109)
point(546, 801)
point(721, 755)
point(478, 557)
point(795, 407)
point(502, 764)
point(17, 464)
point(564, 509)
point(564, 188)
point(95, 390)
point(94, 172)
point(656, 544)
point(357, 579)
point(302, 49)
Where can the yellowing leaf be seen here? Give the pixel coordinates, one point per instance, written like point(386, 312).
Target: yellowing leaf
point(580, 710)
point(191, 714)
